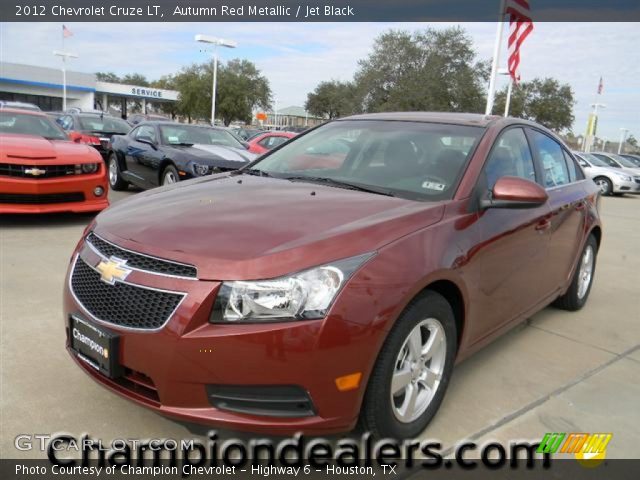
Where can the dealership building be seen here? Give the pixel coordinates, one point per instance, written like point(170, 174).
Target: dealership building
point(43, 86)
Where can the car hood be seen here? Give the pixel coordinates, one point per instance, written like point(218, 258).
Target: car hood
point(31, 147)
point(216, 152)
point(245, 227)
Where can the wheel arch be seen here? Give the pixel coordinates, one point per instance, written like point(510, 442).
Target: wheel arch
point(596, 231)
point(453, 294)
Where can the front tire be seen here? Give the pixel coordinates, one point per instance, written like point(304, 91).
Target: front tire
point(170, 175)
point(604, 184)
point(116, 182)
point(580, 287)
point(412, 372)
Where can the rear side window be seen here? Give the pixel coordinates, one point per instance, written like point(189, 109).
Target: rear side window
point(510, 156)
point(555, 170)
point(575, 172)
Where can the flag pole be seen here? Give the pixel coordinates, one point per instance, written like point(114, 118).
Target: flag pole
point(496, 59)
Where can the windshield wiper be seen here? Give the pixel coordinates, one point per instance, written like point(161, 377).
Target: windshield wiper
point(341, 184)
point(255, 171)
point(181, 144)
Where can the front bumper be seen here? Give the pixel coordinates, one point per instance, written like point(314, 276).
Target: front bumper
point(171, 369)
point(621, 186)
point(73, 193)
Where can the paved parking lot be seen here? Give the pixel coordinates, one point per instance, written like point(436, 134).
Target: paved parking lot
point(558, 372)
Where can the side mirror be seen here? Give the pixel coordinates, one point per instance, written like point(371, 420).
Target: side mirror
point(245, 145)
point(147, 140)
point(515, 192)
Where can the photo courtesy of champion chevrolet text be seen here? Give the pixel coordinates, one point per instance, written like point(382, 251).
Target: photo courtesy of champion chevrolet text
point(319, 239)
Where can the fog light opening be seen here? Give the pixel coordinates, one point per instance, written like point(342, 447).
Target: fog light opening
point(98, 191)
point(348, 382)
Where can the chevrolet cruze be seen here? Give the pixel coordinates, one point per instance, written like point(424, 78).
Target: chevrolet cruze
point(312, 291)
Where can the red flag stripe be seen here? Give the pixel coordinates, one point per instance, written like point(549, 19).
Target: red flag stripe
point(520, 26)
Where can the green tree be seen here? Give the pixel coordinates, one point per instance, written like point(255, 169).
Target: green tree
point(108, 77)
point(429, 70)
point(135, 79)
point(241, 89)
point(193, 101)
point(332, 99)
point(632, 142)
point(166, 82)
point(545, 101)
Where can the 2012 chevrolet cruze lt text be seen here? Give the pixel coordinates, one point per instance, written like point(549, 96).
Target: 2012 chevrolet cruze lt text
point(310, 290)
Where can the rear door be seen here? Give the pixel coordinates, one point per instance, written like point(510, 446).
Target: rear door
point(565, 185)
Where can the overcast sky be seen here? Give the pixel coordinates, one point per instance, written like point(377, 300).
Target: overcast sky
point(295, 57)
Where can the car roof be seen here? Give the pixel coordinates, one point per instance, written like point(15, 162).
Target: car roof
point(171, 123)
point(37, 113)
point(471, 119)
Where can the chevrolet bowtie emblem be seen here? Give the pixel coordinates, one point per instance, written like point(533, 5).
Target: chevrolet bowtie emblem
point(35, 171)
point(113, 270)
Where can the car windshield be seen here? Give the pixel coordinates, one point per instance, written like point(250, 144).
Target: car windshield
point(634, 160)
point(625, 162)
point(192, 135)
point(593, 160)
point(27, 124)
point(415, 160)
point(103, 123)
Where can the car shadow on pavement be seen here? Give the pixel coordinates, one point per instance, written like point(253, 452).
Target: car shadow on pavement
point(36, 221)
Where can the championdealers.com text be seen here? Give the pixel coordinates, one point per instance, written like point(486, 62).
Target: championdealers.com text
point(295, 456)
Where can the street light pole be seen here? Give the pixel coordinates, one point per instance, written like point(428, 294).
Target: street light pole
point(623, 138)
point(64, 56)
point(216, 42)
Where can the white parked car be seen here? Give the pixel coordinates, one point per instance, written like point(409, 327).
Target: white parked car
point(610, 180)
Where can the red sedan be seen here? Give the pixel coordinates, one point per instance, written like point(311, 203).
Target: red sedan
point(280, 299)
point(266, 141)
point(41, 171)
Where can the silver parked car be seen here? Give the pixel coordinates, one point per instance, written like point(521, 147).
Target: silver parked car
point(610, 180)
point(617, 161)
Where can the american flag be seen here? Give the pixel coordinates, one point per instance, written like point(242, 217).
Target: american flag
point(600, 86)
point(66, 32)
point(520, 26)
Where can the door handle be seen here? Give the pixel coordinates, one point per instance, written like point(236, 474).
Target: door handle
point(543, 225)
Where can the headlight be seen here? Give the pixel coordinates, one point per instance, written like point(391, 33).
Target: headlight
point(89, 167)
point(200, 169)
point(624, 178)
point(302, 296)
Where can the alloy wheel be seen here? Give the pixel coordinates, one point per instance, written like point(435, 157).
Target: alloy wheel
point(113, 171)
point(418, 370)
point(169, 178)
point(586, 271)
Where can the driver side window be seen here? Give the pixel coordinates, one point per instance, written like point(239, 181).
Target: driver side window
point(510, 156)
point(145, 132)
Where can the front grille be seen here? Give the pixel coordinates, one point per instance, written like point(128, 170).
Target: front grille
point(24, 171)
point(122, 304)
point(142, 262)
point(35, 199)
point(270, 401)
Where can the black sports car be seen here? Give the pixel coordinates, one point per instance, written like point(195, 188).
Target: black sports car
point(94, 128)
point(160, 153)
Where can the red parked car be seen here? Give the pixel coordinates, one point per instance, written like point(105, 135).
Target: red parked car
point(41, 171)
point(277, 300)
point(266, 141)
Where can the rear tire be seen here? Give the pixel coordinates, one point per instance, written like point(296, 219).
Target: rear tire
point(428, 327)
point(604, 184)
point(170, 175)
point(116, 182)
point(580, 287)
